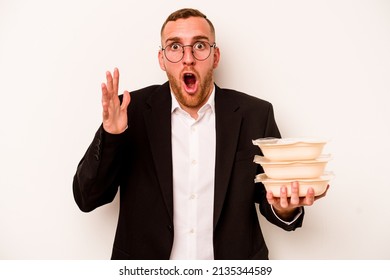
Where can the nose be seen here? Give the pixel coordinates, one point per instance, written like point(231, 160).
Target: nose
point(188, 55)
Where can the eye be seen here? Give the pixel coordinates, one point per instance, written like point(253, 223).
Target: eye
point(175, 47)
point(199, 46)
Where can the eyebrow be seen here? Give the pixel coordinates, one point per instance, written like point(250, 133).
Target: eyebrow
point(196, 38)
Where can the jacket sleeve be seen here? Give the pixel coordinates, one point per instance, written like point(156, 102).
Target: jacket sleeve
point(97, 176)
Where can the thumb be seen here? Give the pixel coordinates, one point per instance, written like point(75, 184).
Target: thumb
point(270, 197)
point(126, 100)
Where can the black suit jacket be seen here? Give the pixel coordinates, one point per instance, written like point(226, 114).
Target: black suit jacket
point(139, 162)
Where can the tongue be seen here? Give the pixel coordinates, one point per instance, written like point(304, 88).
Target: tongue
point(190, 82)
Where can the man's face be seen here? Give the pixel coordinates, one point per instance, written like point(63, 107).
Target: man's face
point(191, 80)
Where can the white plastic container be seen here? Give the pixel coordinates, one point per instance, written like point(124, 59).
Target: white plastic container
point(319, 184)
point(287, 149)
point(306, 169)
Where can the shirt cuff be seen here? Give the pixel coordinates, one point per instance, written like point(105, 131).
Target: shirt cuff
point(288, 223)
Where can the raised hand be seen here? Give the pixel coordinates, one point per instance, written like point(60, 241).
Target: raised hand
point(114, 113)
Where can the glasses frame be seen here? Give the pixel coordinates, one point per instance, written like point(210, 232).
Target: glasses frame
point(214, 45)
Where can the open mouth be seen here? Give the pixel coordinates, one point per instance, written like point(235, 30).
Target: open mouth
point(190, 82)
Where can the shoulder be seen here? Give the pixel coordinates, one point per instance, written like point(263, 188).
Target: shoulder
point(244, 100)
point(146, 92)
point(149, 95)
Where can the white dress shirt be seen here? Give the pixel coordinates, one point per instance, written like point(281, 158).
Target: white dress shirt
point(193, 157)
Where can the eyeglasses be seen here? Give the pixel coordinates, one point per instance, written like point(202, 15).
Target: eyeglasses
point(200, 50)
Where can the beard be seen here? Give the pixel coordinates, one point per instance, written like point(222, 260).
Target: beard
point(199, 98)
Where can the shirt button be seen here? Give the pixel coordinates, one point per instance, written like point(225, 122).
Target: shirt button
point(193, 162)
point(192, 196)
point(192, 231)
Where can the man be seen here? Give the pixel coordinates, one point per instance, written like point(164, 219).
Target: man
point(181, 154)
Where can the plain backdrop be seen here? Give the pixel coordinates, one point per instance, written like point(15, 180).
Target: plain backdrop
point(324, 65)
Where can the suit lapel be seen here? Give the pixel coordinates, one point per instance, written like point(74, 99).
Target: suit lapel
point(228, 123)
point(158, 123)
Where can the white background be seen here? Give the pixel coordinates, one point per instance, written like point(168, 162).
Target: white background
point(325, 66)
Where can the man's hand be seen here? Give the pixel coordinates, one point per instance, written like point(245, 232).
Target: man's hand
point(114, 113)
point(286, 207)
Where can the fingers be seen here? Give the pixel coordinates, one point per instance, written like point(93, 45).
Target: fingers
point(290, 200)
point(109, 83)
point(283, 197)
point(294, 194)
point(112, 83)
point(283, 201)
point(115, 81)
point(105, 101)
point(293, 200)
point(309, 198)
point(110, 92)
point(270, 198)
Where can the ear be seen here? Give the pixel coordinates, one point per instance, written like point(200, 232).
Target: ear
point(217, 56)
point(161, 60)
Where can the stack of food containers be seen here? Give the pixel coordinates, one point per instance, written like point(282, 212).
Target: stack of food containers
point(293, 159)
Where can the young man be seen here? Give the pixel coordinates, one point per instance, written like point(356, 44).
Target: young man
point(181, 154)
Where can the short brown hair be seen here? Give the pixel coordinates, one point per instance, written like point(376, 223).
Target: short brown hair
point(186, 13)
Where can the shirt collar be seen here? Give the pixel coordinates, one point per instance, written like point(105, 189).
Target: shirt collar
point(209, 104)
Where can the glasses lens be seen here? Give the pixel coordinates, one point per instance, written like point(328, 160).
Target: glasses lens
point(175, 52)
point(201, 50)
